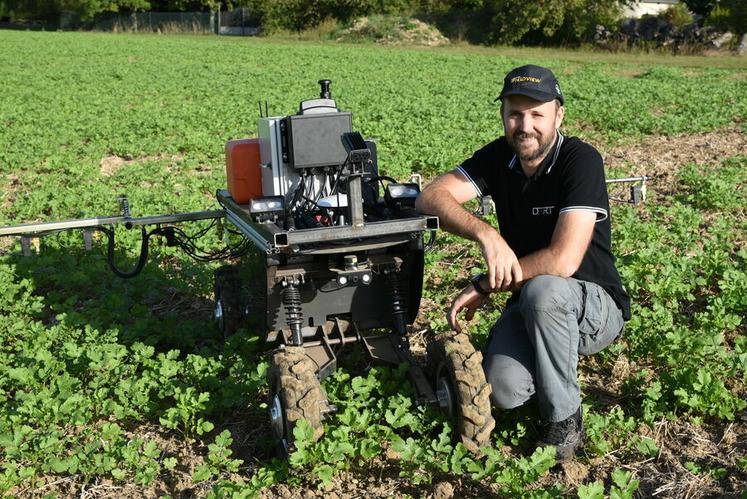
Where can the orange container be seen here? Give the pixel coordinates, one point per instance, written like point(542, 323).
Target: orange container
point(243, 170)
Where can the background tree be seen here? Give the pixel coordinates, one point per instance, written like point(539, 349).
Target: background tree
point(51, 9)
point(730, 15)
point(700, 7)
point(518, 21)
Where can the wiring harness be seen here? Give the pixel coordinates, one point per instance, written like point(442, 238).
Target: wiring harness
point(175, 237)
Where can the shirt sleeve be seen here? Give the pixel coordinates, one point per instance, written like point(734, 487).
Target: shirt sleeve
point(477, 169)
point(584, 187)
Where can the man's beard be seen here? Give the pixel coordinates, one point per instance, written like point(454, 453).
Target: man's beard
point(531, 155)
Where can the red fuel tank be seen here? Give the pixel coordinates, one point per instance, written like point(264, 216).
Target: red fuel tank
point(243, 170)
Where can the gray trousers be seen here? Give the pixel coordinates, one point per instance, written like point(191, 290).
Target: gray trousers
point(533, 348)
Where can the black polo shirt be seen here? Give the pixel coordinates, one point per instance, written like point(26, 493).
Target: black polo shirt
point(570, 178)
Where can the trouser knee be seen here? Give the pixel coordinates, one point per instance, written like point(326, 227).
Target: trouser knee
point(543, 293)
point(511, 383)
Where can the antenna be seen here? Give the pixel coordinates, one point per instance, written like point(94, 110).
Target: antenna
point(325, 93)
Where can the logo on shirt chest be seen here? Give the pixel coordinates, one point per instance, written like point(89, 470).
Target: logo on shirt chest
point(542, 210)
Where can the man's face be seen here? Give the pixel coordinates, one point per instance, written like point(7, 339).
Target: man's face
point(530, 125)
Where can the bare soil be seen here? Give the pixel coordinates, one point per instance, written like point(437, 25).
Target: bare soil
point(110, 165)
point(660, 156)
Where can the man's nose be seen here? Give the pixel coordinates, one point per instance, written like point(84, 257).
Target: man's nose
point(525, 125)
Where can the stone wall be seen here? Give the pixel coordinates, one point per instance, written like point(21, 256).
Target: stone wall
point(654, 32)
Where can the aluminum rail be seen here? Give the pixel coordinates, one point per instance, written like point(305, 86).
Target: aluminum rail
point(269, 236)
point(627, 179)
point(248, 230)
point(42, 228)
point(371, 229)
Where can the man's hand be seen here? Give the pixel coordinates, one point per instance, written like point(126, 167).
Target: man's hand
point(468, 299)
point(503, 266)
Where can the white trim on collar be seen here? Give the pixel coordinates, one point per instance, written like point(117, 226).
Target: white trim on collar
point(556, 153)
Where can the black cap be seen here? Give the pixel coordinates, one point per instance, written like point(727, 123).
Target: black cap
point(533, 81)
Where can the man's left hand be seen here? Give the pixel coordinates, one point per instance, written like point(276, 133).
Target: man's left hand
point(468, 299)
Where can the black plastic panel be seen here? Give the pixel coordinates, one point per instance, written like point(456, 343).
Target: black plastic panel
point(315, 140)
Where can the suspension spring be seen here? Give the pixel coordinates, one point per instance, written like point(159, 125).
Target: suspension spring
point(293, 312)
point(399, 305)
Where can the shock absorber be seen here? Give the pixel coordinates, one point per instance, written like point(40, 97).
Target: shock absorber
point(293, 313)
point(399, 305)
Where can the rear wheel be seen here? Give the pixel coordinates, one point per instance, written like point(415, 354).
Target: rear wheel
point(461, 388)
point(228, 306)
point(295, 394)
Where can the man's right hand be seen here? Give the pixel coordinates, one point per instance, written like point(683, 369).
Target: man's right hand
point(503, 266)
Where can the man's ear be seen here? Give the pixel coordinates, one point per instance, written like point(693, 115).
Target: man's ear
point(559, 115)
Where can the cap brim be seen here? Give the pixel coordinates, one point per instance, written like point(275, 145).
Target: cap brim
point(531, 93)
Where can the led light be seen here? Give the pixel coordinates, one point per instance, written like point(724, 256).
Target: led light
point(401, 194)
point(342, 280)
point(366, 278)
point(397, 191)
point(270, 204)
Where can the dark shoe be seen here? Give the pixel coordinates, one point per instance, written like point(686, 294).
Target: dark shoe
point(566, 436)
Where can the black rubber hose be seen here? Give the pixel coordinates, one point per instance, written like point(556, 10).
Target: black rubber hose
point(141, 260)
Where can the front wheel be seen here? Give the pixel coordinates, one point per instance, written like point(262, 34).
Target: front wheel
point(461, 388)
point(228, 306)
point(295, 394)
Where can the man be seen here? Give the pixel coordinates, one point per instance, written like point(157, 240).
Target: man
point(552, 251)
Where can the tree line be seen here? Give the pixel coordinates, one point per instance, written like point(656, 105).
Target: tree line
point(478, 21)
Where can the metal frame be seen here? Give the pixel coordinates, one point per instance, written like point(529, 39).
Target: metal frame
point(43, 228)
point(270, 238)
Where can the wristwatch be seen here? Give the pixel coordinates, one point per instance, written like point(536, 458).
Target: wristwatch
point(475, 281)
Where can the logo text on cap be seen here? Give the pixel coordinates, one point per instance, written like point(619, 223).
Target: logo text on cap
point(517, 79)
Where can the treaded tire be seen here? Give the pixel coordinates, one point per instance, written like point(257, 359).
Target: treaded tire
point(296, 393)
point(457, 370)
point(227, 289)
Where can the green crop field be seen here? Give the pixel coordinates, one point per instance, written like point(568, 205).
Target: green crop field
point(125, 388)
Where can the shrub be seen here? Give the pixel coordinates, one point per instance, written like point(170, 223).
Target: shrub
point(677, 15)
point(729, 15)
point(301, 14)
point(517, 21)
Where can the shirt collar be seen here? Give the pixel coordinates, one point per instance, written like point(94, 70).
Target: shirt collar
point(547, 164)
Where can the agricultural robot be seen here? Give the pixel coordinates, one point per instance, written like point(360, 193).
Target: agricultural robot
point(341, 251)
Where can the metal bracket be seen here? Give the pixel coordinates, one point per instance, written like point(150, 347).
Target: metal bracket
point(88, 239)
point(26, 246)
point(392, 349)
point(637, 190)
point(486, 206)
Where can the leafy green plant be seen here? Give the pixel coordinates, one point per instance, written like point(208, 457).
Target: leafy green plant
point(624, 485)
point(218, 459)
point(91, 366)
point(184, 415)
